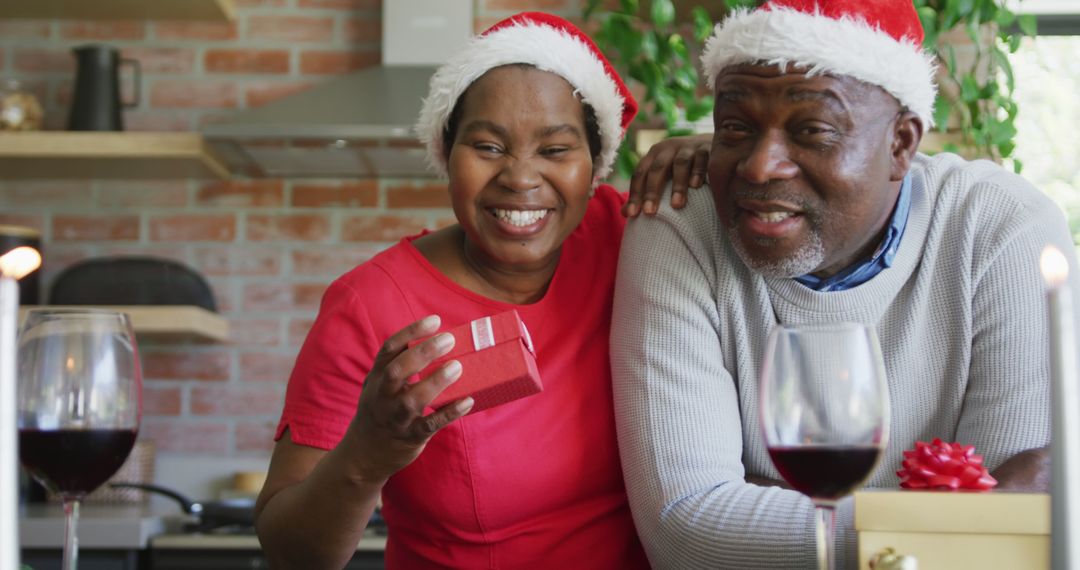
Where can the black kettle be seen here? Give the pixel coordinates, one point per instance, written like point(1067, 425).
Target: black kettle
point(97, 102)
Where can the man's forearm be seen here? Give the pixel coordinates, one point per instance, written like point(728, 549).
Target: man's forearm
point(1027, 471)
point(678, 413)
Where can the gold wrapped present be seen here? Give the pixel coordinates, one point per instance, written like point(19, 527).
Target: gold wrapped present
point(951, 530)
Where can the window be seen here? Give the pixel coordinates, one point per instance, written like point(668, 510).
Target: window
point(1047, 73)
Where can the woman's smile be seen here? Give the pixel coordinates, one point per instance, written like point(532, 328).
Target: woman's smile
point(520, 222)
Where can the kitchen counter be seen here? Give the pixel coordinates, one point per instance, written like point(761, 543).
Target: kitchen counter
point(369, 543)
point(99, 526)
point(240, 552)
point(137, 527)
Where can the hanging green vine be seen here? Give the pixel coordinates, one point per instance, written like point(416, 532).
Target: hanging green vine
point(977, 91)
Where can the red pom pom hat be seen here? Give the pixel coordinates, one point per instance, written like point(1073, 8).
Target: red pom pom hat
point(549, 43)
point(875, 41)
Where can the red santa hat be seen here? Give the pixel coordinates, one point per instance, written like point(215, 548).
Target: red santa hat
point(875, 41)
point(549, 43)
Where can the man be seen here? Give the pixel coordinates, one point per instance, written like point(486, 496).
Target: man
point(823, 211)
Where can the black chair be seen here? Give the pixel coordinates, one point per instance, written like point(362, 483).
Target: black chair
point(131, 281)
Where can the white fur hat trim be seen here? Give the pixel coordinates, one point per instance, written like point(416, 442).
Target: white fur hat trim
point(546, 48)
point(825, 45)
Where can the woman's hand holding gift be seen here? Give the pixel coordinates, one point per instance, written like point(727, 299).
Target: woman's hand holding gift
point(390, 428)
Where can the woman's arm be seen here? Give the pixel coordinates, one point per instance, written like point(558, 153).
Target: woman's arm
point(315, 504)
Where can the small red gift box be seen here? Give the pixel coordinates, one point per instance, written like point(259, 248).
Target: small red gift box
point(498, 363)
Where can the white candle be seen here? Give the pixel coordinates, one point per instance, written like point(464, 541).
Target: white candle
point(14, 265)
point(1065, 446)
point(9, 459)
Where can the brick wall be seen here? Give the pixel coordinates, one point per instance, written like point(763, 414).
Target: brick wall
point(268, 247)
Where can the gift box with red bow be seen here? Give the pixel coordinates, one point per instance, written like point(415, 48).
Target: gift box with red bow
point(944, 466)
point(498, 362)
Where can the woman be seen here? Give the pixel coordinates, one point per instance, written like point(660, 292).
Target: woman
point(525, 121)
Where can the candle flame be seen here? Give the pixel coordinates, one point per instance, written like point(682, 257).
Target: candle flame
point(1055, 268)
point(19, 262)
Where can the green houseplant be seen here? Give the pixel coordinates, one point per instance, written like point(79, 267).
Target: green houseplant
point(974, 109)
point(977, 81)
point(650, 47)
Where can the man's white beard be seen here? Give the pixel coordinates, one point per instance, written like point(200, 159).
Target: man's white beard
point(804, 260)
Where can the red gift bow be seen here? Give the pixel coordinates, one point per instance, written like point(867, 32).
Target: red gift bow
point(944, 466)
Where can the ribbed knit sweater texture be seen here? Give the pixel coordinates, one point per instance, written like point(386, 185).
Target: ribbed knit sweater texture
point(962, 320)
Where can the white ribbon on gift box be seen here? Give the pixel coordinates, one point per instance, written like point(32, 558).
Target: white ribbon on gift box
point(483, 334)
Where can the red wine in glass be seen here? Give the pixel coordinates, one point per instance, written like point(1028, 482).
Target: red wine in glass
point(824, 414)
point(79, 403)
point(73, 462)
point(825, 471)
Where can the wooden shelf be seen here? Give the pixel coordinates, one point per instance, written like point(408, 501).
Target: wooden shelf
point(165, 322)
point(209, 10)
point(112, 155)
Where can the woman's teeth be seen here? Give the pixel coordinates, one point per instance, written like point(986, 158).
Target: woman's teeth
point(773, 217)
point(520, 218)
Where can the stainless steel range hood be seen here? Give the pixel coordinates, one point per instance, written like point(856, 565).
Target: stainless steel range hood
point(359, 125)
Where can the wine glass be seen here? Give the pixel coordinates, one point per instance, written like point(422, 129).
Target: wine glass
point(79, 403)
point(824, 414)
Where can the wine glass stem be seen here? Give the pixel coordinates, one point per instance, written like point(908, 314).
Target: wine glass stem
point(826, 536)
point(71, 541)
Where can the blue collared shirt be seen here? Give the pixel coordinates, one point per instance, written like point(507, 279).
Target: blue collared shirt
point(863, 271)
